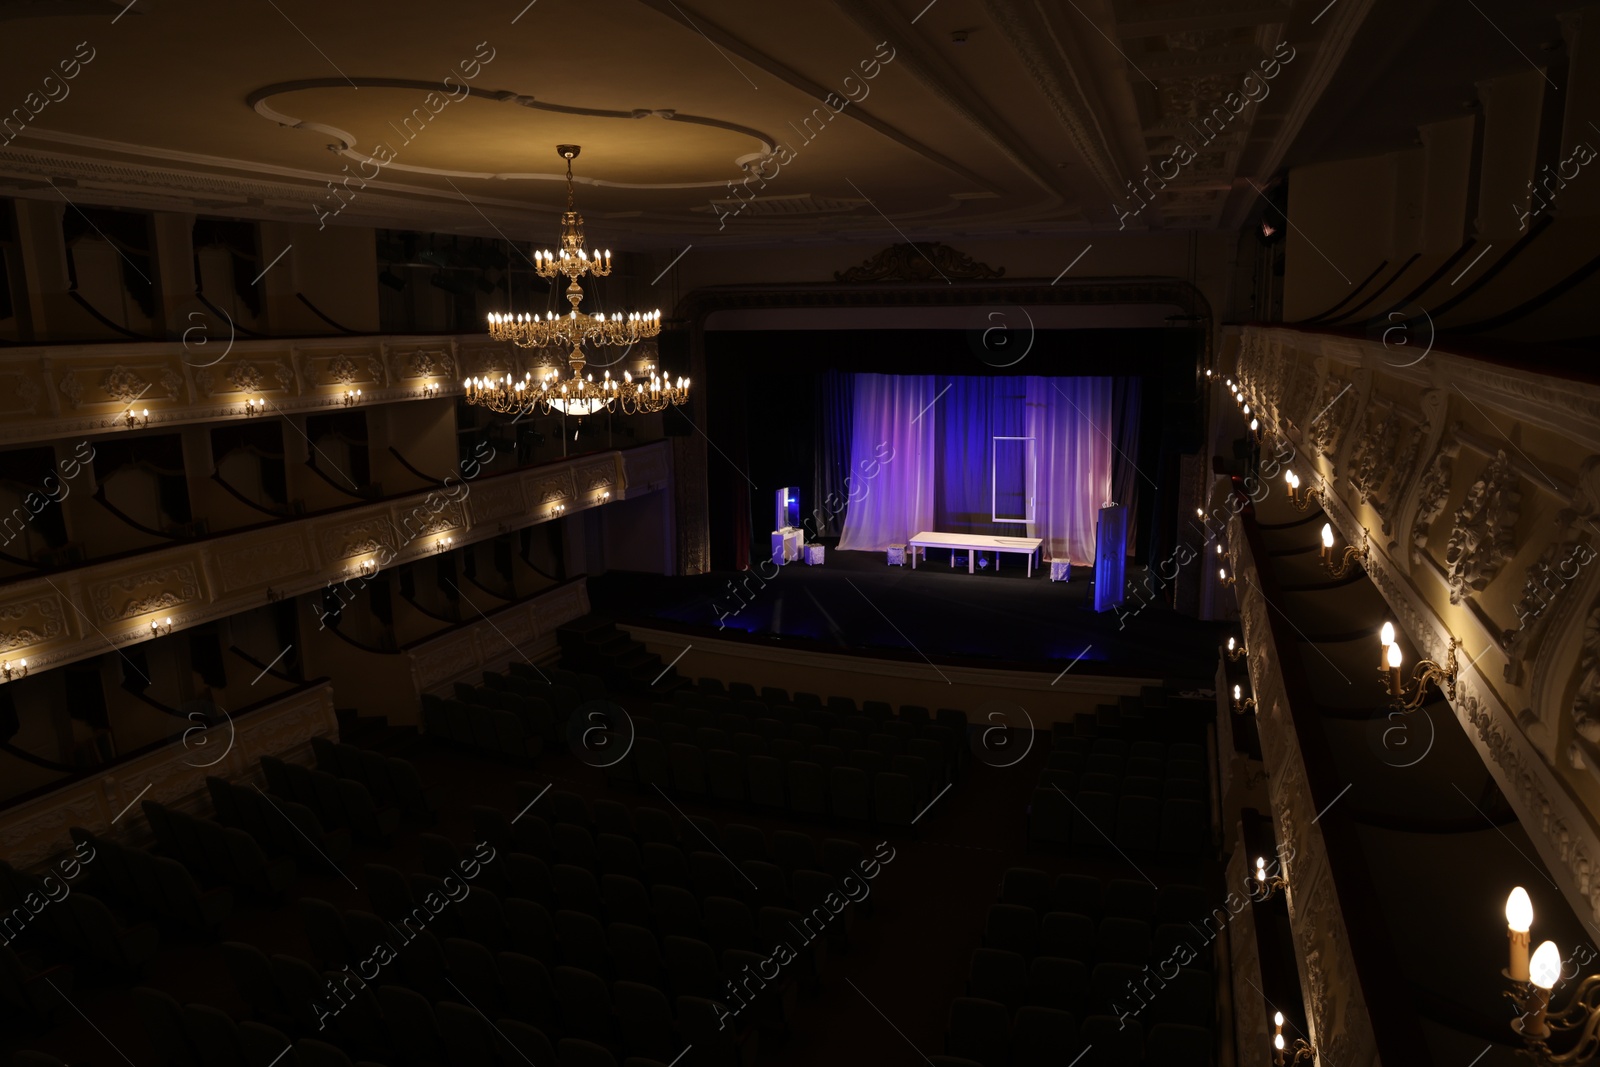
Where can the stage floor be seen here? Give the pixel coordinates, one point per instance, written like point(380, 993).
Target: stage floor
point(856, 603)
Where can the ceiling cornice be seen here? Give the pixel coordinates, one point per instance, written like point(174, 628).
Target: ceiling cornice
point(723, 39)
point(880, 21)
point(1052, 70)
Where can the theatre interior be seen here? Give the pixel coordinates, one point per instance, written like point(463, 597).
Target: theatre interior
point(695, 533)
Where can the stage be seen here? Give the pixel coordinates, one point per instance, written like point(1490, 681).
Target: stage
point(855, 604)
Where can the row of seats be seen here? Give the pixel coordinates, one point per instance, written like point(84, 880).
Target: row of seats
point(80, 922)
point(283, 827)
point(791, 739)
point(556, 992)
point(337, 801)
point(791, 850)
point(1067, 935)
point(393, 782)
point(154, 885)
point(198, 1035)
point(1102, 822)
point(1186, 995)
point(32, 991)
point(220, 855)
point(982, 1034)
point(1084, 894)
point(808, 707)
point(877, 709)
point(887, 799)
point(518, 735)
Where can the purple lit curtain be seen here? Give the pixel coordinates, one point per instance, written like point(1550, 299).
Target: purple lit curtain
point(1070, 420)
point(890, 485)
point(939, 434)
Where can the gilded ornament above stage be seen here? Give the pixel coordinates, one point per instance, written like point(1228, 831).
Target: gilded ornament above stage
point(919, 263)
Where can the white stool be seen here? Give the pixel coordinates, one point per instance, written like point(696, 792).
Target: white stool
point(813, 555)
point(897, 555)
point(1060, 570)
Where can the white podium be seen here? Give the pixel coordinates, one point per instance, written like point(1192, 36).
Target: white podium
point(786, 544)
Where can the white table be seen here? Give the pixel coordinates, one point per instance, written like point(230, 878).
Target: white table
point(786, 544)
point(975, 543)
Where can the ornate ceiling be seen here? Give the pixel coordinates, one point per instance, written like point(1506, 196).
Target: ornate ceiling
point(756, 123)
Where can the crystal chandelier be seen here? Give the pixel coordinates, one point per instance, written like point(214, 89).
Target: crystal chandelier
point(580, 394)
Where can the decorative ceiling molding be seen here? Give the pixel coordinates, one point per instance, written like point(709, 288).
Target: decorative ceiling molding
point(720, 37)
point(880, 20)
point(1054, 74)
point(1325, 60)
point(258, 101)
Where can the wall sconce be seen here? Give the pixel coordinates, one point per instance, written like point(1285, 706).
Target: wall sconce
point(352, 397)
point(11, 673)
point(1255, 429)
point(1222, 576)
point(367, 568)
point(605, 494)
point(1351, 553)
point(443, 544)
point(273, 596)
point(255, 406)
point(430, 390)
point(1230, 383)
point(1304, 500)
point(162, 628)
point(557, 509)
point(1298, 1053)
point(1266, 888)
point(1531, 983)
point(1240, 701)
point(134, 422)
point(1208, 372)
point(1235, 650)
point(1426, 673)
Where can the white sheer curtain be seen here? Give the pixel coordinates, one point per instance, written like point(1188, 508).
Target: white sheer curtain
point(1070, 420)
point(892, 461)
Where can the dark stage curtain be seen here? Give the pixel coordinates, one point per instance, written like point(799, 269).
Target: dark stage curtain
point(1126, 394)
point(970, 413)
point(835, 398)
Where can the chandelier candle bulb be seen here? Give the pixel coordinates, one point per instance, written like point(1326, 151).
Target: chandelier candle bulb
point(1519, 920)
point(1277, 1022)
point(1327, 540)
point(1394, 671)
point(1387, 637)
point(1543, 971)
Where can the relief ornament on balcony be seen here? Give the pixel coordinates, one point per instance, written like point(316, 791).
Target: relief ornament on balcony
point(1484, 535)
point(123, 385)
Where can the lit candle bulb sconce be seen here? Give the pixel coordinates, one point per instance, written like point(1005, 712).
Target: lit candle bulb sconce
point(1266, 887)
point(1224, 578)
point(430, 390)
point(10, 673)
point(255, 406)
point(1352, 555)
point(135, 420)
point(557, 509)
point(352, 397)
point(1304, 500)
point(1424, 676)
point(1242, 702)
point(1236, 650)
point(1531, 980)
point(1299, 1052)
point(444, 544)
point(1386, 636)
point(1255, 430)
point(160, 628)
point(367, 568)
point(1208, 372)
